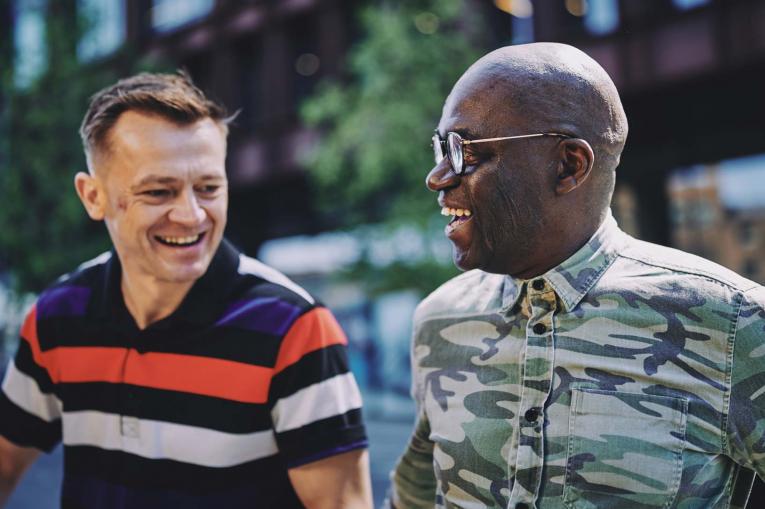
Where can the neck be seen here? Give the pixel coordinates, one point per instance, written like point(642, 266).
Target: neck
point(149, 301)
point(567, 240)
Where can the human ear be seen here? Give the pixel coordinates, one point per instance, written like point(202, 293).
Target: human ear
point(91, 195)
point(575, 164)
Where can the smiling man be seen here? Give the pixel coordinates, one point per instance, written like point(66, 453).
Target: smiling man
point(571, 365)
point(176, 371)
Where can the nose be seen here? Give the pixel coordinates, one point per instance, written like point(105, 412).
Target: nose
point(186, 210)
point(441, 176)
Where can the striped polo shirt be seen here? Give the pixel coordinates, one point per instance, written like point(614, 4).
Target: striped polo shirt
point(208, 407)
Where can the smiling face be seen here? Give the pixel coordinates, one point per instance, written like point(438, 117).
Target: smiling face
point(500, 204)
point(162, 191)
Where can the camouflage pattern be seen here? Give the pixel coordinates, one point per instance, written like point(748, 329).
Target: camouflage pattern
point(644, 365)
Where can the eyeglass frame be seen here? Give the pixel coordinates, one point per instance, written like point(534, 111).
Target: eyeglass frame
point(442, 143)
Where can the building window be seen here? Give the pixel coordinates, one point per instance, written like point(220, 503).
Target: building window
point(250, 83)
point(601, 17)
point(105, 32)
point(305, 57)
point(522, 24)
point(685, 5)
point(750, 268)
point(29, 40)
point(168, 15)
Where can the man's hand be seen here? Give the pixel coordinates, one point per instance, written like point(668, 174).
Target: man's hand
point(14, 461)
point(337, 482)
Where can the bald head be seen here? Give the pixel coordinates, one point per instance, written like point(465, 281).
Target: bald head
point(519, 185)
point(555, 87)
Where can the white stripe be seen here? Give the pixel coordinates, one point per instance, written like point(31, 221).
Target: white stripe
point(165, 440)
point(98, 260)
point(331, 397)
point(24, 392)
point(255, 267)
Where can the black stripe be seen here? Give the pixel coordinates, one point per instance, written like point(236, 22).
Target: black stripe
point(58, 331)
point(226, 343)
point(81, 492)
point(133, 471)
point(321, 436)
point(167, 406)
point(312, 368)
point(25, 429)
point(27, 365)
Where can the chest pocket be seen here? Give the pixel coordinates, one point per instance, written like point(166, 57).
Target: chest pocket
point(624, 449)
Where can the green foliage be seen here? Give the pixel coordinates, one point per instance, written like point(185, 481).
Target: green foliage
point(371, 162)
point(44, 231)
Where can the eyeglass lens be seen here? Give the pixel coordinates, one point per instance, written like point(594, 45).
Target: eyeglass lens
point(454, 145)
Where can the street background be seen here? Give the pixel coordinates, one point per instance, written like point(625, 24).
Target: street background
point(337, 101)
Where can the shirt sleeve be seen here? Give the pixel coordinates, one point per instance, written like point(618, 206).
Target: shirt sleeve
point(413, 480)
point(30, 409)
point(746, 415)
point(316, 404)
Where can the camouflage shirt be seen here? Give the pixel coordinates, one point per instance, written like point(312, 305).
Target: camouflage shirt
point(630, 376)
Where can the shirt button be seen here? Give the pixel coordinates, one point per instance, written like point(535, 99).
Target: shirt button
point(538, 284)
point(539, 328)
point(531, 415)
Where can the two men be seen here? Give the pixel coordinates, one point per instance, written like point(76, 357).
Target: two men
point(571, 365)
point(177, 371)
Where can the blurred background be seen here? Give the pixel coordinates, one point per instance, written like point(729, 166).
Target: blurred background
point(337, 101)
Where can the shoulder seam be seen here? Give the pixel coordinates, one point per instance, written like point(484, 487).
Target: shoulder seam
point(695, 272)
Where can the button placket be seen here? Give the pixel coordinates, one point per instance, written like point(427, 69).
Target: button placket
point(537, 381)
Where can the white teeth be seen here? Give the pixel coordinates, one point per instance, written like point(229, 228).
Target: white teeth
point(448, 211)
point(180, 240)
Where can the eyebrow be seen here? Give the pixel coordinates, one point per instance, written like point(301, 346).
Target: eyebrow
point(161, 180)
point(465, 132)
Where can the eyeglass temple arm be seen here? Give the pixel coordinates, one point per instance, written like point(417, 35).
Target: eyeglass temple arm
point(486, 140)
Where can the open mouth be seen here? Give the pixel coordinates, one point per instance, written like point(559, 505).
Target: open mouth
point(190, 240)
point(459, 217)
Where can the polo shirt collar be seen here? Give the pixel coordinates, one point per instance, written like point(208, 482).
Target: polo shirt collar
point(572, 279)
point(204, 303)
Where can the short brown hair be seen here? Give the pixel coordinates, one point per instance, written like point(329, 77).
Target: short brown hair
point(172, 96)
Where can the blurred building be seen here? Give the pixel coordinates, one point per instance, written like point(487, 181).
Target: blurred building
point(704, 225)
point(690, 74)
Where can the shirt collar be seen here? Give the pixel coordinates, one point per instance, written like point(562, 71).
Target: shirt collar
point(572, 279)
point(202, 305)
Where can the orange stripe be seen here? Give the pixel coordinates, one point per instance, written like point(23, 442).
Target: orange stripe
point(313, 331)
point(184, 373)
point(29, 333)
point(74, 364)
point(201, 375)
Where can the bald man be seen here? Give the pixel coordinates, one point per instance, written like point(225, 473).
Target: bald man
point(570, 365)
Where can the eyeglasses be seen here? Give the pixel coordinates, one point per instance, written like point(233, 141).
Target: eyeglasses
point(454, 146)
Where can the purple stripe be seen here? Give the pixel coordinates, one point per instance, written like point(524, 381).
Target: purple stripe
point(329, 452)
point(263, 314)
point(64, 301)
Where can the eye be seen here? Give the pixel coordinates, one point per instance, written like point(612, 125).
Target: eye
point(156, 193)
point(208, 189)
point(472, 156)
